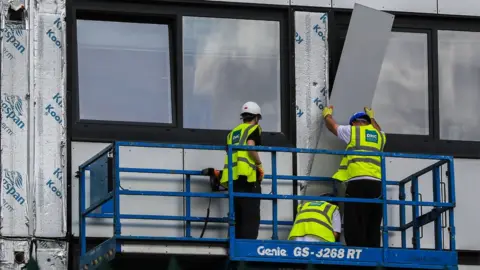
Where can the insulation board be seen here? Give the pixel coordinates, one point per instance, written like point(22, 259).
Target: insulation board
point(50, 131)
point(355, 83)
point(16, 126)
point(311, 77)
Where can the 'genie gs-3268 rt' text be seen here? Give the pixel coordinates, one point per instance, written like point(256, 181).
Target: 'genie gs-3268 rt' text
point(308, 252)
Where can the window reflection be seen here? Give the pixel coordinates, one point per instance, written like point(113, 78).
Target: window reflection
point(226, 63)
point(401, 97)
point(459, 85)
point(124, 71)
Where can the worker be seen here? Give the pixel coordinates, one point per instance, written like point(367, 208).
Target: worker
point(317, 221)
point(362, 175)
point(247, 172)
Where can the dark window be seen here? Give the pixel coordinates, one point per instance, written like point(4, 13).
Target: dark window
point(459, 85)
point(226, 63)
point(428, 86)
point(177, 73)
point(124, 71)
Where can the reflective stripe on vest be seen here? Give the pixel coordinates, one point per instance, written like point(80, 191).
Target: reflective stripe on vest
point(241, 159)
point(359, 147)
point(367, 166)
point(309, 223)
point(323, 212)
point(242, 163)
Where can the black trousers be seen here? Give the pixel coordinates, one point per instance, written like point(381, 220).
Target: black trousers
point(362, 220)
point(247, 210)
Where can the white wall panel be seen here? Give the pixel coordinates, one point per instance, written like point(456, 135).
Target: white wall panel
point(135, 158)
point(397, 170)
point(466, 185)
point(285, 207)
point(153, 158)
point(16, 127)
point(174, 159)
point(419, 6)
point(50, 127)
point(469, 267)
point(311, 3)
point(459, 7)
point(467, 219)
point(199, 160)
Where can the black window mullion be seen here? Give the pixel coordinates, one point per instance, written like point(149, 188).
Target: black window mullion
point(178, 67)
point(434, 89)
point(287, 92)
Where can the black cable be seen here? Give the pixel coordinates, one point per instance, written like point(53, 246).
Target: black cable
point(206, 218)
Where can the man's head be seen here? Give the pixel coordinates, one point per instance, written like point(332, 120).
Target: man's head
point(360, 119)
point(251, 113)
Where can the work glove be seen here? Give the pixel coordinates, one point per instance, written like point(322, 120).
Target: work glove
point(260, 172)
point(370, 112)
point(327, 111)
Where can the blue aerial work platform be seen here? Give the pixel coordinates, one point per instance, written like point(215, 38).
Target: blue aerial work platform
point(105, 172)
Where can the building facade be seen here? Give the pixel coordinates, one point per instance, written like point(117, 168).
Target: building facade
point(80, 74)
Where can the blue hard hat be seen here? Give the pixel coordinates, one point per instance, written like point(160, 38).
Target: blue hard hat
point(359, 115)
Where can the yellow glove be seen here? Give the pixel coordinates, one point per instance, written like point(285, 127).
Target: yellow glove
point(327, 111)
point(370, 112)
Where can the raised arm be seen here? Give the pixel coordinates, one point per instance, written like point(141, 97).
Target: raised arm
point(330, 123)
point(371, 113)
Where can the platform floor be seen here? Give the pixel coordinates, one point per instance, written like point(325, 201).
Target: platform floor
point(215, 257)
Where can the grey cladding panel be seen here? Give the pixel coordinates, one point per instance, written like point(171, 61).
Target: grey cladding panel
point(362, 57)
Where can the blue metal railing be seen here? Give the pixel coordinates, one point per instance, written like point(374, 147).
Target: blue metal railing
point(242, 249)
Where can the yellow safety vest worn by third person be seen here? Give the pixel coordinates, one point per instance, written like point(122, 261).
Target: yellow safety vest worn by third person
point(363, 138)
point(243, 164)
point(314, 218)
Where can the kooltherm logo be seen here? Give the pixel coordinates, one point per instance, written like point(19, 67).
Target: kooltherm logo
point(53, 186)
point(12, 108)
point(54, 36)
point(13, 183)
point(50, 109)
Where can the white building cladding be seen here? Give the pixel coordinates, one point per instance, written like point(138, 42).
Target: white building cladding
point(179, 75)
point(33, 136)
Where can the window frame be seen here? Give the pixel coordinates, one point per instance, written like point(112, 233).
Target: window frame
point(417, 144)
point(172, 14)
point(112, 17)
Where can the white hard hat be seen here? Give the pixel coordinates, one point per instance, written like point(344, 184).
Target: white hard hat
point(252, 108)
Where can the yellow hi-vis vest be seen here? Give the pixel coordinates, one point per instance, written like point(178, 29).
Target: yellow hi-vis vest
point(314, 218)
point(243, 164)
point(363, 138)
